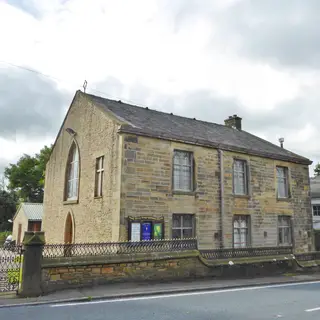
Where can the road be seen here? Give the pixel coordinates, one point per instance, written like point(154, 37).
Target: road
point(286, 301)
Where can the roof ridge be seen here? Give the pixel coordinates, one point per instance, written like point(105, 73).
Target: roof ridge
point(159, 124)
point(155, 110)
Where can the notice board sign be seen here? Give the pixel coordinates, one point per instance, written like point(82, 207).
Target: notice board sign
point(135, 231)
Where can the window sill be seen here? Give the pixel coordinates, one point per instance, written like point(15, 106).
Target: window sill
point(283, 199)
point(184, 193)
point(66, 202)
point(243, 196)
point(97, 197)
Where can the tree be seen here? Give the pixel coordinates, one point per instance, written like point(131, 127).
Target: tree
point(43, 158)
point(26, 178)
point(317, 169)
point(8, 207)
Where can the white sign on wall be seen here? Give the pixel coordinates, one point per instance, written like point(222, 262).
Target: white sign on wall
point(135, 231)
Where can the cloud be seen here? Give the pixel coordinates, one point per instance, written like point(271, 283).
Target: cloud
point(281, 33)
point(25, 5)
point(3, 164)
point(205, 59)
point(30, 105)
point(37, 8)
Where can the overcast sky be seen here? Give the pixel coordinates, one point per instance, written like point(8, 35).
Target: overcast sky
point(207, 59)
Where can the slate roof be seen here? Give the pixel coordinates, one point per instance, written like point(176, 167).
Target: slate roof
point(147, 122)
point(33, 211)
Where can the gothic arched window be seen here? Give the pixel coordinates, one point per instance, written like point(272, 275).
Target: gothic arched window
point(72, 174)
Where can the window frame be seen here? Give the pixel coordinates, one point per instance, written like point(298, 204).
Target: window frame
point(287, 185)
point(181, 227)
point(247, 218)
point(34, 225)
point(74, 181)
point(99, 177)
point(289, 227)
point(191, 166)
point(245, 177)
point(317, 210)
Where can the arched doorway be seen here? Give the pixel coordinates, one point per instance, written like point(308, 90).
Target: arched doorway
point(68, 231)
point(68, 236)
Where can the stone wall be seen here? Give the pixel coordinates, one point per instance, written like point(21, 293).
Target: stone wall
point(94, 219)
point(262, 203)
point(66, 273)
point(146, 190)
point(77, 272)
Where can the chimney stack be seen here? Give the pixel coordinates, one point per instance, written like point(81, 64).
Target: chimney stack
point(281, 140)
point(233, 122)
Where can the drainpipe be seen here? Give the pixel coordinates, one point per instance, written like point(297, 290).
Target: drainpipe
point(221, 197)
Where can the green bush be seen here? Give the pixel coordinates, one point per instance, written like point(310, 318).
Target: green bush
point(13, 275)
point(3, 236)
point(18, 259)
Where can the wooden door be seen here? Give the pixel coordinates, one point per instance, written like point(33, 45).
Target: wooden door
point(37, 226)
point(68, 236)
point(19, 233)
point(68, 233)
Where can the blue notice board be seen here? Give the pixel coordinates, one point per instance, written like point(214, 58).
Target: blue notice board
point(146, 231)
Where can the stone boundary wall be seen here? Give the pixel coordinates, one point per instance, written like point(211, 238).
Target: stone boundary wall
point(76, 272)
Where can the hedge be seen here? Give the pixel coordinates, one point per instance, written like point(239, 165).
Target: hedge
point(15, 274)
point(3, 236)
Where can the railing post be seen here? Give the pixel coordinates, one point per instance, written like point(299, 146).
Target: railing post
point(31, 272)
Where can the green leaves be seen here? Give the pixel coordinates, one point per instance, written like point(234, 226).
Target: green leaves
point(25, 183)
point(317, 169)
point(26, 177)
point(8, 206)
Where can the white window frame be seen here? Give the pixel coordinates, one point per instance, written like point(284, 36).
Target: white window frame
point(237, 173)
point(179, 169)
point(282, 227)
point(282, 179)
point(99, 177)
point(241, 228)
point(73, 173)
point(181, 227)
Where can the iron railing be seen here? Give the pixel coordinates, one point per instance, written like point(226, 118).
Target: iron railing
point(114, 248)
point(10, 263)
point(244, 252)
point(308, 256)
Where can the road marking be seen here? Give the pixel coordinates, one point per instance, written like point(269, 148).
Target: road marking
point(311, 310)
point(175, 295)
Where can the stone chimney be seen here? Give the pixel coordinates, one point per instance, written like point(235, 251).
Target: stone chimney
point(233, 122)
point(281, 140)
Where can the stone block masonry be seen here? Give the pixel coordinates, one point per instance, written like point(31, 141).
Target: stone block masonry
point(94, 219)
point(67, 273)
point(262, 205)
point(146, 190)
point(146, 187)
point(74, 273)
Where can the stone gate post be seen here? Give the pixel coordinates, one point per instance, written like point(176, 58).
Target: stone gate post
point(31, 271)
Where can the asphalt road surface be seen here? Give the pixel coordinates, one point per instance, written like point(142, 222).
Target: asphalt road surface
point(286, 301)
